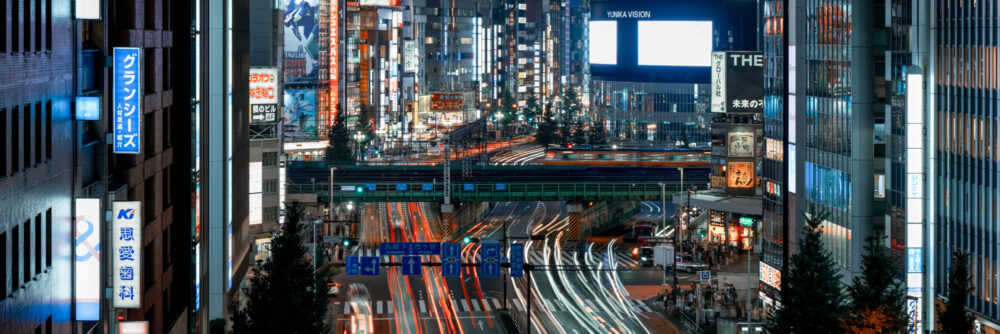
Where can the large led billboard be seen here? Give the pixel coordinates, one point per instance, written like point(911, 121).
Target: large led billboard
point(604, 42)
point(674, 43)
point(87, 277)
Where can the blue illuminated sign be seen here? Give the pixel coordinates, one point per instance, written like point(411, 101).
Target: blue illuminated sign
point(914, 260)
point(427, 187)
point(516, 260)
point(490, 260)
point(88, 108)
point(409, 248)
point(369, 265)
point(491, 251)
point(468, 187)
point(400, 186)
point(451, 268)
point(353, 265)
point(501, 186)
point(127, 99)
point(411, 265)
point(491, 269)
point(451, 263)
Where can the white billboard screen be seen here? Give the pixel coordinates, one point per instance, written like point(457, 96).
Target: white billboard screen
point(87, 277)
point(674, 43)
point(126, 237)
point(604, 42)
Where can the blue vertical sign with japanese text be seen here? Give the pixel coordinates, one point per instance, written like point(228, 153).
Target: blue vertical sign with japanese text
point(490, 260)
point(516, 260)
point(127, 100)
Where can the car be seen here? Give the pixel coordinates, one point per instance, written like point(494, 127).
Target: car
point(687, 262)
point(645, 256)
point(333, 289)
point(361, 312)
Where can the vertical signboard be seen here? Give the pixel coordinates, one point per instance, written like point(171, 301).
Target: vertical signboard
point(126, 236)
point(744, 76)
point(915, 197)
point(255, 208)
point(127, 99)
point(300, 115)
point(263, 94)
point(87, 250)
point(334, 68)
point(87, 9)
point(88, 108)
point(718, 81)
point(301, 41)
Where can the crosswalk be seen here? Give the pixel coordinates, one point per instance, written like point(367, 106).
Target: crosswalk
point(480, 306)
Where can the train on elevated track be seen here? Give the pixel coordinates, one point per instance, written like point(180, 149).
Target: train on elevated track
point(634, 157)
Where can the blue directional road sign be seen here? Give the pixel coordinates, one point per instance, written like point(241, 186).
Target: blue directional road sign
point(400, 186)
point(468, 187)
point(369, 265)
point(516, 260)
point(451, 268)
point(490, 260)
point(501, 186)
point(491, 269)
point(451, 250)
point(411, 265)
point(353, 265)
point(410, 248)
point(370, 186)
point(427, 187)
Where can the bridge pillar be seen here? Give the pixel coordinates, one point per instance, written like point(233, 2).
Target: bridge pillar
point(573, 231)
point(447, 221)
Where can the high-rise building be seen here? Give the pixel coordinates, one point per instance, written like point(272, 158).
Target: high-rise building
point(773, 170)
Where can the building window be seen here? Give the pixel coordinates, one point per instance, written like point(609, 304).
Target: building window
point(38, 25)
point(148, 209)
point(37, 119)
point(27, 27)
point(270, 214)
point(27, 136)
point(3, 265)
point(38, 244)
point(26, 233)
point(269, 159)
point(15, 26)
point(269, 186)
point(48, 237)
point(3, 28)
point(48, 27)
point(15, 259)
point(48, 130)
point(3, 136)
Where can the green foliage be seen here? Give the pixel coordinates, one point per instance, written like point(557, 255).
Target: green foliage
point(579, 134)
point(364, 130)
point(811, 297)
point(546, 134)
point(507, 111)
point(598, 134)
point(283, 297)
point(340, 152)
point(531, 110)
point(571, 105)
point(876, 290)
point(953, 318)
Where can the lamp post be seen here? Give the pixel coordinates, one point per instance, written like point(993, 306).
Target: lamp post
point(315, 249)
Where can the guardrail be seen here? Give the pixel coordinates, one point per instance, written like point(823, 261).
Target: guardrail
point(491, 192)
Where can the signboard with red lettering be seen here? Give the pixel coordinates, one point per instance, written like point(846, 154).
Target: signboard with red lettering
point(446, 102)
point(263, 94)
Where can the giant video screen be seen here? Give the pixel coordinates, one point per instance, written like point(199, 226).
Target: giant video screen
point(674, 43)
point(604, 42)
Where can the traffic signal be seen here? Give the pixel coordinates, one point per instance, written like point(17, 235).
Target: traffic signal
point(347, 242)
point(360, 189)
point(466, 240)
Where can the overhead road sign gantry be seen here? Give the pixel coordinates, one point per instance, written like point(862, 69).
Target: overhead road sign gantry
point(410, 248)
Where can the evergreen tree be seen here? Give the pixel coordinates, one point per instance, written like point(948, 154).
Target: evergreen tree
point(508, 112)
point(811, 298)
point(877, 298)
point(953, 318)
point(570, 104)
point(531, 110)
point(339, 151)
point(283, 297)
point(579, 134)
point(598, 134)
point(547, 135)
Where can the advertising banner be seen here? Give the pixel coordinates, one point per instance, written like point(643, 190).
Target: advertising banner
point(446, 102)
point(87, 250)
point(387, 3)
point(744, 82)
point(410, 57)
point(718, 82)
point(127, 99)
point(740, 174)
point(301, 45)
point(741, 144)
point(263, 94)
point(126, 236)
point(300, 114)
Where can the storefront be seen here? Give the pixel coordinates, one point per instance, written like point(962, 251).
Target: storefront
point(739, 235)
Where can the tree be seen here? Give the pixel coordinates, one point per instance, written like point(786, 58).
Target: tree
point(579, 134)
point(570, 103)
point(811, 299)
point(507, 112)
point(953, 317)
point(531, 111)
point(339, 151)
point(598, 134)
point(283, 297)
point(877, 298)
point(546, 134)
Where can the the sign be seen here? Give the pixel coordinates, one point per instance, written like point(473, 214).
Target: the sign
point(490, 259)
point(774, 149)
point(719, 82)
point(741, 144)
point(451, 250)
point(87, 249)
point(369, 265)
point(770, 276)
point(88, 108)
point(348, 188)
point(501, 187)
point(301, 60)
point(914, 260)
point(370, 186)
point(133, 327)
point(491, 269)
point(127, 100)
point(451, 262)
point(411, 60)
point(744, 73)
point(387, 3)
point(401, 187)
point(451, 268)
point(411, 265)
point(126, 253)
point(87, 9)
point(352, 265)
point(740, 174)
point(468, 187)
point(705, 276)
point(491, 251)
point(446, 102)
point(746, 221)
point(263, 93)
point(516, 260)
point(263, 87)
point(410, 248)
point(255, 176)
point(427, 187)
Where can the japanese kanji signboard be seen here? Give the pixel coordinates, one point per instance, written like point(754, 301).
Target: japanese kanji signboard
point(126, 253)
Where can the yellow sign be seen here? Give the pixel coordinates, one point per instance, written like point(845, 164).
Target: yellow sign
point(740, 174)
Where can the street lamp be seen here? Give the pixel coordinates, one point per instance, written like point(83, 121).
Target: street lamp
point(315, 249)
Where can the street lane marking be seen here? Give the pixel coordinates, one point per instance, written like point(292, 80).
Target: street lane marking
point(475, 305)
point(378, 307)
point(347, 308)
point(497, 303)
point(465, 305)
point(423, 307)
point(486, 305)
point(517, 303)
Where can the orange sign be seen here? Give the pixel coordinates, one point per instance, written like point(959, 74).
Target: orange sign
point(740, 174)
point(446, 102)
